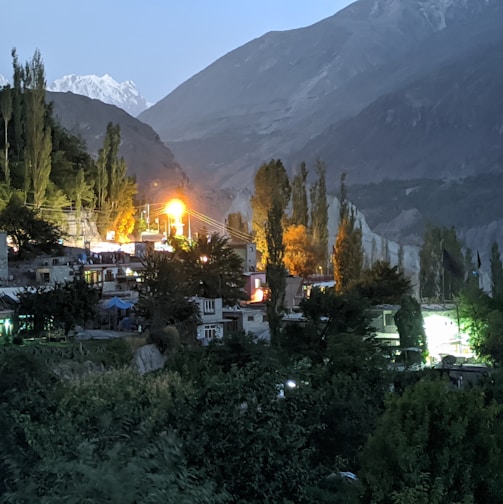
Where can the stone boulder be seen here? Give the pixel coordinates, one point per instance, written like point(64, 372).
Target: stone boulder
point(148, 358)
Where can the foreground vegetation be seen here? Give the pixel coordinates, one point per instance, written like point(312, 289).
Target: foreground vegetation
point(224, 424)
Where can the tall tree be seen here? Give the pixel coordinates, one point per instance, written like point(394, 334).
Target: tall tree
point(38, 148)
point(237, 227)
point(319, 215)
point(383, 284)
point(347, 251)
point(300, 258)
point(6, 109)
point(81, 191)
point(496, 273)
point(442, 271)
point(410, 324)
point(271, 185)
point(300, 210)
point(275, 269)
point(17, 106)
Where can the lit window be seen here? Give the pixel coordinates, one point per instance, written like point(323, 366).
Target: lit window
point(258, 283)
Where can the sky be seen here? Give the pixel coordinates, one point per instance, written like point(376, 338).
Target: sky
point(158, 44)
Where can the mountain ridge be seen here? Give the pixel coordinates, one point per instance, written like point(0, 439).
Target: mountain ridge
point(124, 95)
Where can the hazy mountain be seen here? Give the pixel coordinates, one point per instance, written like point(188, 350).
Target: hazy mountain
point(270, 97)
point(403, 94)
point(124, 95)
point(3, 81)
point(157, 171)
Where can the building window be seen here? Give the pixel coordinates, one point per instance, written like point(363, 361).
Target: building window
point(257, 282)
point(209, 306)
point(210, 332)
point(251, 318)
point(46, 277)
point(388, 319)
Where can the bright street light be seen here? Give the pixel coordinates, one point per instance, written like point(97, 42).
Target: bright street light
point(175, 210)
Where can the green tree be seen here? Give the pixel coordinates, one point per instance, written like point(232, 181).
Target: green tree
point(410, 324)
point(29, 232)
point(6, 110)
point(441, 273)
point(435, 446)
point(275, 270)
point(383, 284)
point(496, 273)
point(329, 313)
point(254, 445)
point(38, 148)
point(17, 106)
point(212, 269)
point(63, 306)
point(163, 296)
point(300, 210)
point(271, 185)
point(347, 252)
point(319, 215)
point(80, 191)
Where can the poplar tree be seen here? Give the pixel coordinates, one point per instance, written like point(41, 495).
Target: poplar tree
point(496, 273)
point(6, 109)
point(300, 211)
point(319, 215)
point(442, 271)
point(114, 190)
point(271, 185)
point(38, 147)
point(275, 269)
point(17, 106)
point(347, 251)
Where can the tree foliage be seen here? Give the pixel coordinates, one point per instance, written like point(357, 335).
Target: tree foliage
point(63, 306)
point(319, 215)
point(30, 233)
point(383, 284)
point(425, 450)
point(300, 210)
point(347, 253)
point(271, 185)
point(275, 269)
point(300, 258)
point(441, 273)
point(410, 324)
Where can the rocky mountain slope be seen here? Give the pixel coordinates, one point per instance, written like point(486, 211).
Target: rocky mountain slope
point(272, 96)
point(124, 95)
point(401, 94)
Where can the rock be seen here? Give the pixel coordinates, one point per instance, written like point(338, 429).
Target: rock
point(148, 358)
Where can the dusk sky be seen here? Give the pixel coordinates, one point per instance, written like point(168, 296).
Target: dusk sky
point(156, 43)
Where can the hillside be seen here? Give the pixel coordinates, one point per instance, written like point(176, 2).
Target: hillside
point(157, 171)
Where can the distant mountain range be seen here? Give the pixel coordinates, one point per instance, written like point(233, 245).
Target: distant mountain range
point(401, 94)
point(124, 95)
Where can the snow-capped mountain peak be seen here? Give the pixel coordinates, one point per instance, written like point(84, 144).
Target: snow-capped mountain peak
point(3, 81)
point(106, 89)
